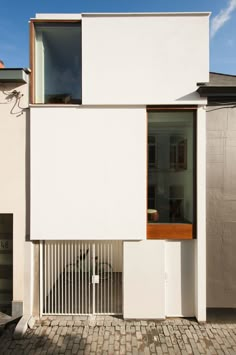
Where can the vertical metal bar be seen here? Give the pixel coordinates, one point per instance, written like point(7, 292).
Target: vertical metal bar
point(89, 276)
point(45, 277)
point(115, 252)
point(83, 276)
point(119, 291)
point(93, 285)
point(63, 277)
point(98, 285)
point(66, 286)
point(72, 276)
point(104, 276)
point(51, 276)
point(121, 280)
point(42, 285)
point(59, 277)
point(109, 277)
point(69, 275)
point(101, 284)
point(55, 278)
point(86, 278)
point(48, 273)
point(76, 273)
point(85, 300)
point(78, 277)
point(112, 274)
point(79, 288)
point(116, 278)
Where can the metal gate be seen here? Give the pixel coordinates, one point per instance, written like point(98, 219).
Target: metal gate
point(81, 277)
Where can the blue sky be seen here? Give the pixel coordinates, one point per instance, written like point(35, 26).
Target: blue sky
point(15, 14)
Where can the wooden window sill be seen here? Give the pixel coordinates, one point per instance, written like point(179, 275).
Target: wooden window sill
point(169, 231)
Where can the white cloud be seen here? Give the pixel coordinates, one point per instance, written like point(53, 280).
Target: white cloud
point(224, 15)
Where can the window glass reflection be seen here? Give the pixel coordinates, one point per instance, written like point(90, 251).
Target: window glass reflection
point(170, 166)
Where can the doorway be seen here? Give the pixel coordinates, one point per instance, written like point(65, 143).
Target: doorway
point(6, 262)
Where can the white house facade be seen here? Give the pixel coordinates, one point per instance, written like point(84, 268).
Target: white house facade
point(117, 164)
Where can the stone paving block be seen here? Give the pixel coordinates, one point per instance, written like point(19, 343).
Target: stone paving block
point(70, 344)
point(82, 344)
point(176, 349)
point(133, 330)
point(169, 342)
point(128, 347)
point(111, 339)
point(75, 349)
point(122, 340)
point(143, 330)
point(94, 346)
point(152, 348)
point(159, 350)
point(166, 331)
point(116, 345)
point(139, 335)
point(161, 337)
point(164, 348)
point(100, 340)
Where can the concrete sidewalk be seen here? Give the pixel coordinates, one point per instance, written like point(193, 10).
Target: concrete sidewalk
point(111, 335)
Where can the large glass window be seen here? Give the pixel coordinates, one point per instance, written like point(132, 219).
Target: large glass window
point(171, 170)
point(57, 63)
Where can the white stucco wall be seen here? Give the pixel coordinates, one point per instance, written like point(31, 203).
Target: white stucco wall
point(180, 279)
point(144, 279)
point(158, 279)
point(144, 59)
point(13, 183)
point(88, 173)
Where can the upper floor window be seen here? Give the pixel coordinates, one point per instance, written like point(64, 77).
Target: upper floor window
point(56, 63)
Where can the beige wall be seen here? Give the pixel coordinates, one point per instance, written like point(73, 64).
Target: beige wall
point(221, 207)
point(13, 174)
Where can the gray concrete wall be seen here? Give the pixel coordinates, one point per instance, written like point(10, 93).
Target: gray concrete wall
point(221, 207)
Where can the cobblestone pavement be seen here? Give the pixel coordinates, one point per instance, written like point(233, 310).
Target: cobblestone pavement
point(111, 335)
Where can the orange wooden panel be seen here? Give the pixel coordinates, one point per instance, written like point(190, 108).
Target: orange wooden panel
point(169, 231)
point(171, 108)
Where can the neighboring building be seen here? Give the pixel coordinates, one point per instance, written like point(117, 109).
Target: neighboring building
point(117, 165)
point(14, 249)
point(221, 189)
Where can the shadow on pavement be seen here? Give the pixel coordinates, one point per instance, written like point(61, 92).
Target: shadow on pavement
point(221, 315)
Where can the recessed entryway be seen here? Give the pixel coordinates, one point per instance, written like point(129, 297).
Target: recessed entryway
point(6, 264)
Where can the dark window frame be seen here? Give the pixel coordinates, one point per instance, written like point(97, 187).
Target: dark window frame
point(32, 23)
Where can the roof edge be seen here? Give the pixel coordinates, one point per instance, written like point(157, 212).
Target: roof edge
point(78, 16)
point(223, 74)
